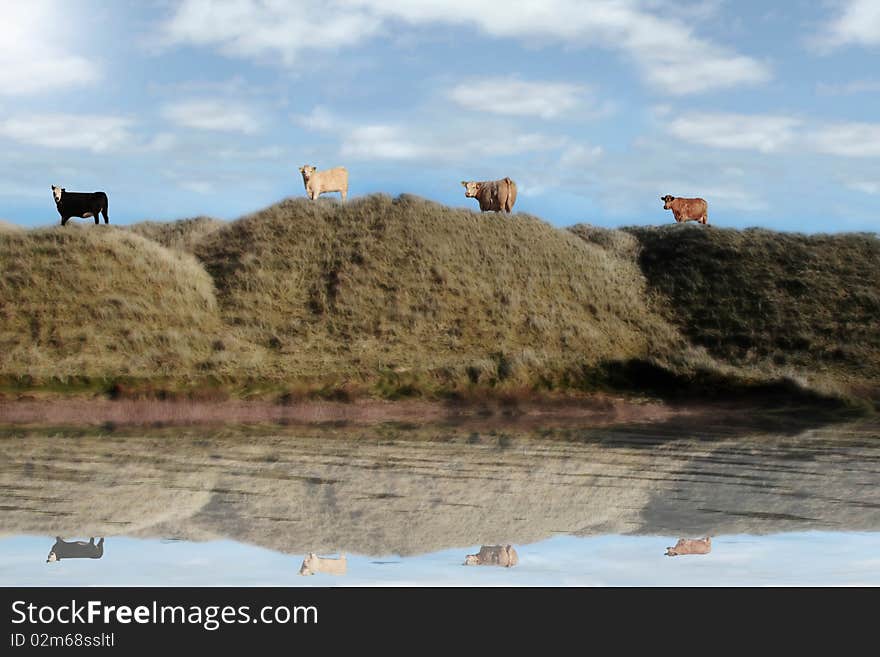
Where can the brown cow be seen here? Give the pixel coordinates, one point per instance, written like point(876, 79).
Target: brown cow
point(690, 546)
point(493, 195)
point(493, 555)
point(687, 209)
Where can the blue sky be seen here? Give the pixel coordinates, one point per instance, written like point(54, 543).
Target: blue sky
point(770, 111)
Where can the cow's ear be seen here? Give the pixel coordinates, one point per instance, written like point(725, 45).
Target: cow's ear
point(463, 183)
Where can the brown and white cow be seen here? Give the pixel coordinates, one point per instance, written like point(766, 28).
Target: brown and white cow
point(493, 555)
point(314, 564)
point(320, 182)
point(493, 195)
point(690, 546)
point(687, 209)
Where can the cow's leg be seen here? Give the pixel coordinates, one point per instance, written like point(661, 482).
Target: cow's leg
point(343, 193)
point(64, 220)
point(106, 215)
point(97, 216)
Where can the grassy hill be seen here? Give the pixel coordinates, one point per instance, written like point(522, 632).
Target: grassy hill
point(756, 298)
point(403, 296)
point(89, 303)
point(182, 235)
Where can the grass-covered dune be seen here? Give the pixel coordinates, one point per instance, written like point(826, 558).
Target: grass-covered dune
point(403, 296)
point(409, 290)
point(758, 298)
point(86, 303)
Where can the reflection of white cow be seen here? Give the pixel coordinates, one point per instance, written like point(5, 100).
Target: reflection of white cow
point(314, 564)
point(493, 555)
point(690, 546)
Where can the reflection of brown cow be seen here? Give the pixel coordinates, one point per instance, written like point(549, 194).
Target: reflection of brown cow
point(690, 546)
point(75, 550)
point(493, 555)
point(314, 564)
point(494, 195)
point(686, 209)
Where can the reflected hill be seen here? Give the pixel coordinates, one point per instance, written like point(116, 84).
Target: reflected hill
point(377, 491)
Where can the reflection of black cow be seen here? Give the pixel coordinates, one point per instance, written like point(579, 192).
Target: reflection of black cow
point(75, 550)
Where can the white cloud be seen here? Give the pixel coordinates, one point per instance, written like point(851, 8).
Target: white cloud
point(578, 155)
point(81, 131)
point(774, 133)
point(387, 142)
point(196, 186)
point(33, 53)
point(665, 48)
point(763, 133)
point(320, 119)
point(865, 186)
point(402, 142)
point(514, 97)
point(212, 114)
point(847, 139)
point(857, 24)
point(848, 88)
point(273, 28)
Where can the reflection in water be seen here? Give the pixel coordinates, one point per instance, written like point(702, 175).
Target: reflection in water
point(75, 549)
point(690, 546)
point(493, 555)
point(386, 491)
point(314, 564)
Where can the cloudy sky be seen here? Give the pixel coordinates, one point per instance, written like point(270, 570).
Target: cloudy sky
point(770, 111)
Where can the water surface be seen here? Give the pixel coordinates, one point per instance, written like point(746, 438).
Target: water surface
point(582, 506)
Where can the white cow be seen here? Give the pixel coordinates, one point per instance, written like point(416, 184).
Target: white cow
point(320, 182)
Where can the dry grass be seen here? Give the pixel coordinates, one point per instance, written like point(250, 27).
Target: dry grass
point(758, 299)
point(9, 227)
point(404, 297)
point(182, 235)
point(90, 302)
point(409, 290)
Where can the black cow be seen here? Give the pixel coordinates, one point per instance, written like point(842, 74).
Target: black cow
point(75, 550)
point(80, 204)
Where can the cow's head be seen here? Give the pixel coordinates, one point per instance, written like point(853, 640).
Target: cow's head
point(669, 198)
point(471, 189)
point(309, 564)
point(307, 170)
point(56, 193)
point(670, 552)
point(471, 560)
point(53, 556)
